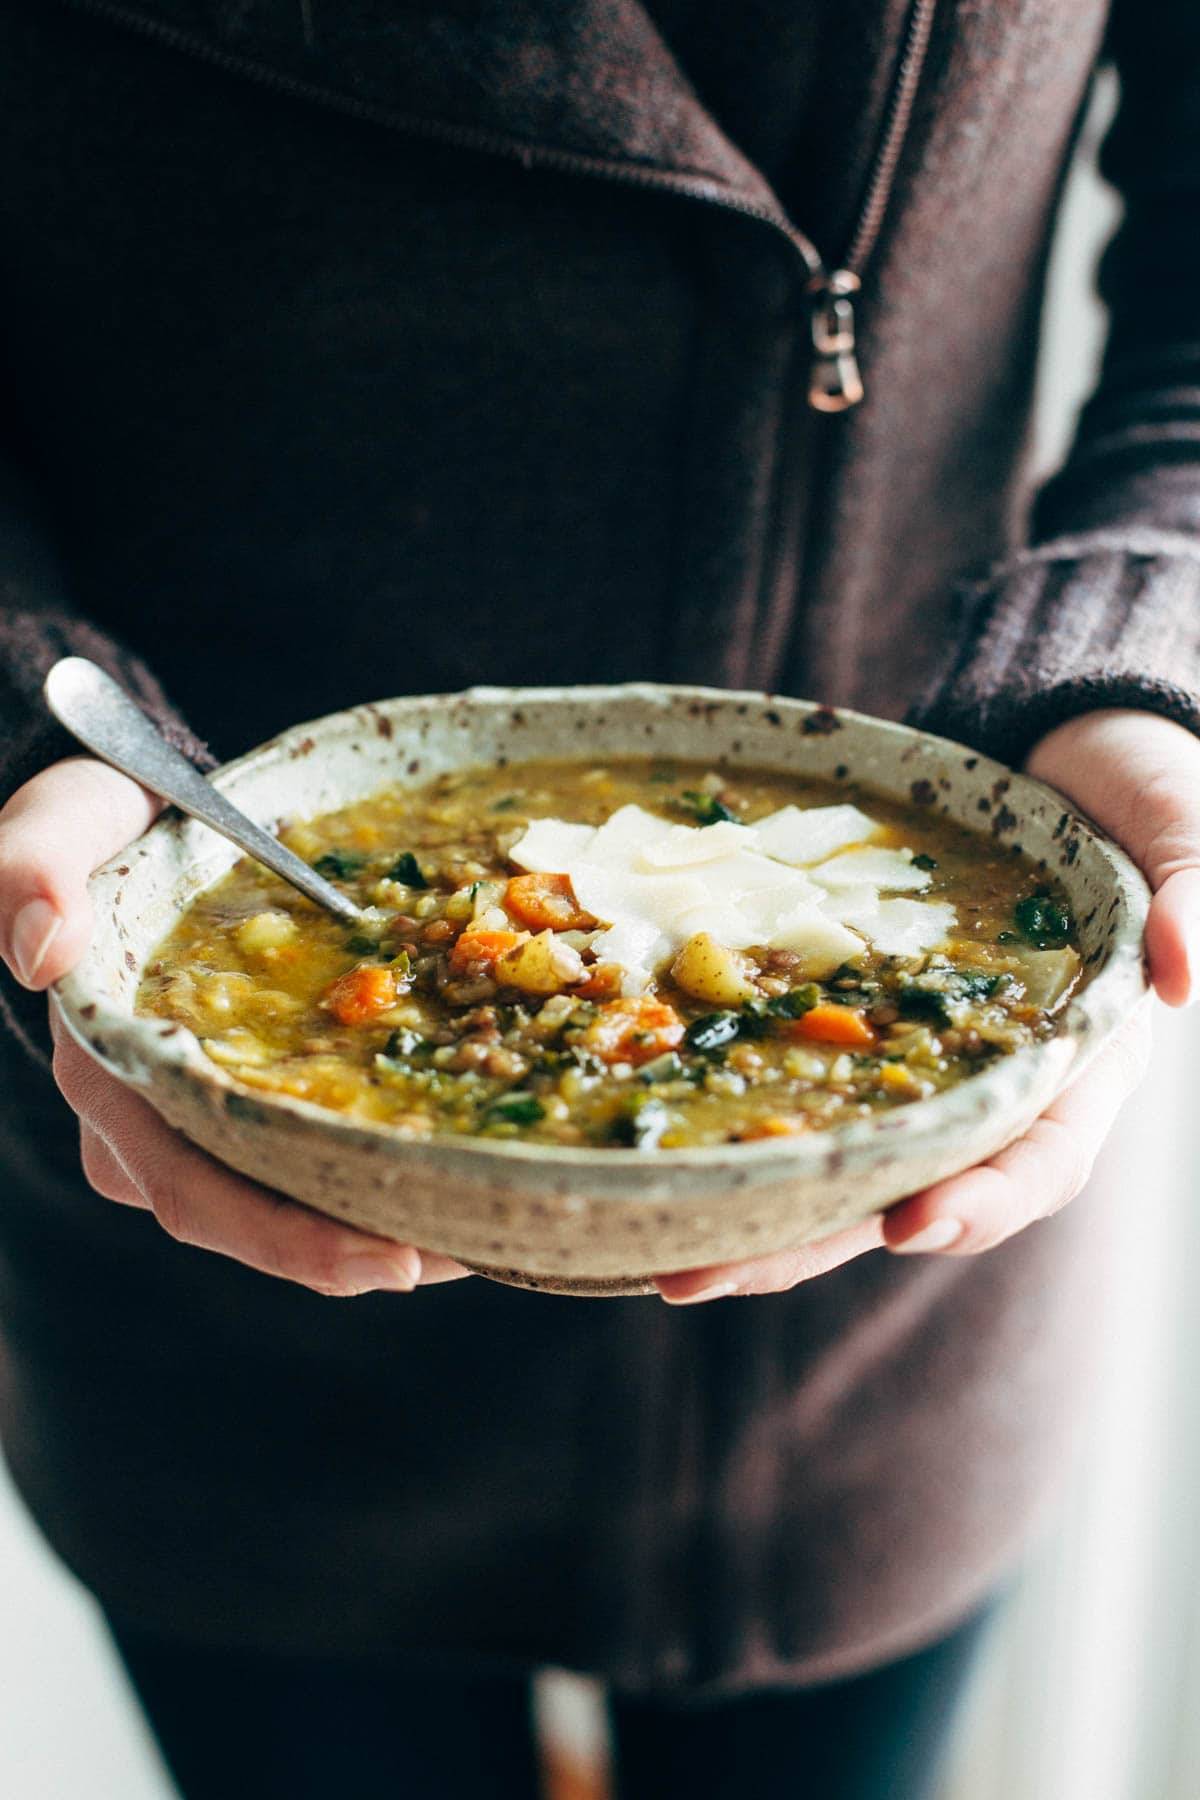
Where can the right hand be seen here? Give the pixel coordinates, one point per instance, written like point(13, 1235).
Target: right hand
point(53, 832)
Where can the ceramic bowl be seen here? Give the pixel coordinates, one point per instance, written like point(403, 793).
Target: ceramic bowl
point(597, 1221)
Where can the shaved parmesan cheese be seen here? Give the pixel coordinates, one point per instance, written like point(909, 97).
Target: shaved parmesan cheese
point(653, 885)
point(550, 846)
point(682, 844)
point(743, 873)
point(899, 927)
point(894, 870)
point(824, 943)
point(629, 829)
point(808, 834)
point(724, 922)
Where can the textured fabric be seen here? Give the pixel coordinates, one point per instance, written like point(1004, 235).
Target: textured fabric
point(1071, 626)
point(315, 397)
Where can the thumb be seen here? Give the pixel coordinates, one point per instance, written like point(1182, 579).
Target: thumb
point(1138, 776)
point(53, 832)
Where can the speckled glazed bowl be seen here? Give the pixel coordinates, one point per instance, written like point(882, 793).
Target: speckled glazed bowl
point(596, 1221)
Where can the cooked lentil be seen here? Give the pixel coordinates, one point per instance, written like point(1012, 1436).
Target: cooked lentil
point(473, 1002)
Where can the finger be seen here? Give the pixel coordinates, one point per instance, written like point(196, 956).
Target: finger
point(1032, 1178)
point(771, 1274)
point(104, 1173)
point(1173, 938)
point(113, 1118)
point(1138, 776)
point(436, 1269)
point(199, 1202)
point(53, 832)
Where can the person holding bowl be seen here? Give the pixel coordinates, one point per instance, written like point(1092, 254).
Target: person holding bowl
point(361, 351)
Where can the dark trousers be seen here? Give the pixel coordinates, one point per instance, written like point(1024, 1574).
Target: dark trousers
point(234, 1726)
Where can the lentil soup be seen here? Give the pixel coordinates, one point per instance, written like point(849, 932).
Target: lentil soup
point(640, 953)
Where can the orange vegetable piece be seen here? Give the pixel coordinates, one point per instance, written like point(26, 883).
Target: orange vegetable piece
point(545, 903)
point(603, 982)
point(829, 1024)
point(774, 1125)
point(634, 1031)
point(358, 996)
point(483, 947)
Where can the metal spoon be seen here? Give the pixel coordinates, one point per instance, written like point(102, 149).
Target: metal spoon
point(104, 719)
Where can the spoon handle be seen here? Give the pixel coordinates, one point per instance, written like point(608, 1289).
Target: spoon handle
point(100, 714)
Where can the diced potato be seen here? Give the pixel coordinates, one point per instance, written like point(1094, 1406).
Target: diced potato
point(709, 972)
point(804, 1065)
point(1047, 974)
point(265, 931)
point(541, 965)
point(486, 900)
point(553, 1016)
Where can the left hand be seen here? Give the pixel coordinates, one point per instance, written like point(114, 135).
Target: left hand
point(1138, 777)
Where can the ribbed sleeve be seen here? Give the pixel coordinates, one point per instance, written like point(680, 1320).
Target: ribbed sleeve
point(1104, 610)
point(37, 626)
point(1102, 619)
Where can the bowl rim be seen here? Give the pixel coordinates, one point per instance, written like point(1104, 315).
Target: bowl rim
point(1084, 1027)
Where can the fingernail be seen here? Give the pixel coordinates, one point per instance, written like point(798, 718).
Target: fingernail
point(34, 930)
point(368, 1274)
point(717, 1291)
point(936, 1236)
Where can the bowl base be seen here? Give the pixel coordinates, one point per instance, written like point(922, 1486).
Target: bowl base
point(585, 1287)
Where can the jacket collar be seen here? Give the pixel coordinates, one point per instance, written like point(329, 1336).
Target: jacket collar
point(593, 78)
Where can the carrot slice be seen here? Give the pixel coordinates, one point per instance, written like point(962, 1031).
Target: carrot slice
point(774, 1125)
point(485, 947)
point(634, 1030)
point(546, 903)
point(358, 996)
point(603, 982)
point(829, 1024)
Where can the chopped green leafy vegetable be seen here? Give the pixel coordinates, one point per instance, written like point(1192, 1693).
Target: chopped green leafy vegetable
point(714, 1030)
point(706, 809)
point(340, 865)
point(922, 860)
point(362, 944)
point(403, 1043)
point(796, 1002)
point(506, 804)
point(932, 996)
point(1043, 921)
point(515, 1109)
point(407, 869)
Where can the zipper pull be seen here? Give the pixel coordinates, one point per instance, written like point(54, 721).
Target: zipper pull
point(835, 383)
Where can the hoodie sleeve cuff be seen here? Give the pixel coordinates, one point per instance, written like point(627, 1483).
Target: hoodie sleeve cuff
point(1098, 620)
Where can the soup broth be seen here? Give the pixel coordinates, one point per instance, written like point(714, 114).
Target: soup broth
point(672, 956)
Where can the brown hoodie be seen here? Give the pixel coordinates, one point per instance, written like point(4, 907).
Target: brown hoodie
point(361, 348)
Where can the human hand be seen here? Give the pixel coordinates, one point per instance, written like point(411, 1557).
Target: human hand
point(53, 832)
point(1138, 777)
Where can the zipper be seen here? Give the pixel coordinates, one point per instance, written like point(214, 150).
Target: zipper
point(835, 380)
point(835, 383)
point(460, 137)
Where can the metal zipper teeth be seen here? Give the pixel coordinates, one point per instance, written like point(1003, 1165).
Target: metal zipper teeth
point(836, 381)
point(462, 137)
